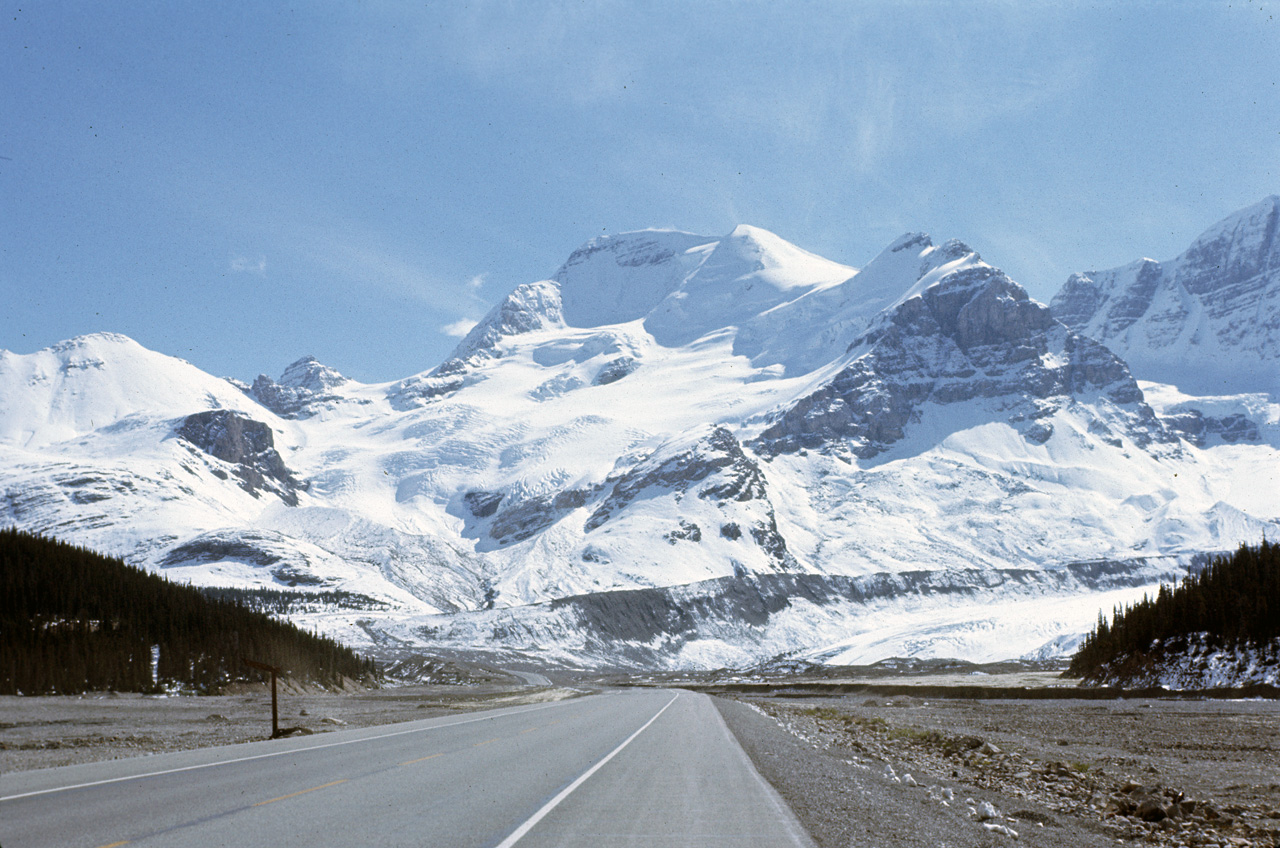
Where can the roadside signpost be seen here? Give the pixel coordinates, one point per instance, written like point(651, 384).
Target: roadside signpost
point(275, 711)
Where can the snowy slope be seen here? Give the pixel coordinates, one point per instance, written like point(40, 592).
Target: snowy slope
point(88, 383)
point(1207, 321)
point(690, 416)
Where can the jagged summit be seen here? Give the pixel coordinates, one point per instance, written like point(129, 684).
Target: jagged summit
point(529, 307)
point(964, 333)
point(912, 258)
point(819, 326)
point(305, 387)
point(309, 373)
point(1207, 321)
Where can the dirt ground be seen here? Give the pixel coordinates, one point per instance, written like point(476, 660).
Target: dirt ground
point(1077, 766)
point(43, 732)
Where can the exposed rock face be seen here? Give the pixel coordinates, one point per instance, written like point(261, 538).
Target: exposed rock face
point(442, 381)
point(530, 307)
point(482, 504)
point(974, 334)
point(737, 476)
point(246, 444)
point(265, 549)
point(717, 470)
point(1207, 321)
point(526, 519)
point(615, 370)
point(304, 386)
point(216, 547)
point(1203, 430)
point(687, 531)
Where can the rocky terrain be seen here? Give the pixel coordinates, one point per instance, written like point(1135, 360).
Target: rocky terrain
point(1063, 772)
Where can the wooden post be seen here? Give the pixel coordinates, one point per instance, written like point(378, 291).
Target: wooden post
point(275, 711)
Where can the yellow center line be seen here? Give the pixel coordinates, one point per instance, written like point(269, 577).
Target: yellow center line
point(420, 759)
point(117, 844)
point(296, 794)
point(478, 744)
point(530, 730)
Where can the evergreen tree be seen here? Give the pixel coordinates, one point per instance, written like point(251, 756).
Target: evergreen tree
point(72, 620)
point(1234, 602)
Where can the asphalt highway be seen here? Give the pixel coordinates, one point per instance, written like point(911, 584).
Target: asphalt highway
point(625, 768)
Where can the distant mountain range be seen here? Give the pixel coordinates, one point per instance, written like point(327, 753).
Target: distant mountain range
point(685, 450)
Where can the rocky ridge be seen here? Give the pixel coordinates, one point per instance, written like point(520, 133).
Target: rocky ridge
point(304, 388)
point(244, 444)
point(1207, 321)
point(973, 334)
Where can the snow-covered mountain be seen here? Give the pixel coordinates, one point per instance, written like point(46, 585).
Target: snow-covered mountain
point(1207, 321)
point(680, 450)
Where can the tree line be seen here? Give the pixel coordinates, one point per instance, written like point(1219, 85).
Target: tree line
point(284, 601)
point(1234, 600)
point(72, 620)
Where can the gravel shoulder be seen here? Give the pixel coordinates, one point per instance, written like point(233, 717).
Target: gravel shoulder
point(914, 772)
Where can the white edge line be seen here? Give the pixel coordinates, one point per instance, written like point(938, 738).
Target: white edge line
point(272, 754)
point(523, 829)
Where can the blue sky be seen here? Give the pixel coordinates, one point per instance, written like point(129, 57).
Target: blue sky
point(240, 185)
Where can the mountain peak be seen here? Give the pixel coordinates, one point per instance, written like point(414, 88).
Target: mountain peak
point(529, 307)
point(1207, 321)
point(972, 339)
point(92, 381)
point(751, 249)
point(620, 278)
point(309, 373)
point(909, 240)
point(910, 264)
point(93, 339)
point(302, 388)
point(746, 231)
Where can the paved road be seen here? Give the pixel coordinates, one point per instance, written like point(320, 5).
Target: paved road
point(637, 767)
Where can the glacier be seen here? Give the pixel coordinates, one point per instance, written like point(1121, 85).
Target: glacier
point(688, 451)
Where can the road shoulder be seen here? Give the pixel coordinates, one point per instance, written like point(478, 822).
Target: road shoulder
point(845, 798)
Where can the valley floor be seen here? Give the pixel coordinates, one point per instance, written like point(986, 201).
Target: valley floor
point(1056, 773)
point(44, 732)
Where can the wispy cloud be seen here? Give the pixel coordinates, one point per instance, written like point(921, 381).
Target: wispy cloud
point(458, 328)
point(546, 52)
point(364, 259)
point(245, 265)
